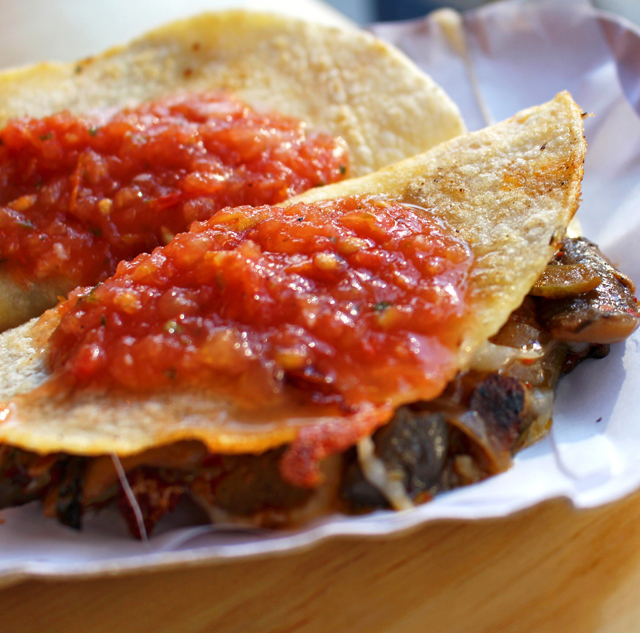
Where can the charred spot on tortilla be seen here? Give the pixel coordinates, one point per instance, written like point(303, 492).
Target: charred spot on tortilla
point(333, 393)
point(112, 156)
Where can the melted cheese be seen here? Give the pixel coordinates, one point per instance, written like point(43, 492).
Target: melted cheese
point(376, 473)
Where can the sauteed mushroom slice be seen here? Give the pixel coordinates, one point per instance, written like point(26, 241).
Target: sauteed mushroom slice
point(607, 313)
point(414, 449)
point(565, 280)
point(24, 476)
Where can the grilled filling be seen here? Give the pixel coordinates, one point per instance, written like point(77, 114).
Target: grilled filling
point(579, 306)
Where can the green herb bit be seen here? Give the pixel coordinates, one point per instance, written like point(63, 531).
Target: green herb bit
point(46, 137)
point(342, 169)
point(172, 327)
point(93, 130)
point(89, 296)
point(381, 305)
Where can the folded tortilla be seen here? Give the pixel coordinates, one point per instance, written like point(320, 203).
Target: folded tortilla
point(508, 190)
point(343, 82)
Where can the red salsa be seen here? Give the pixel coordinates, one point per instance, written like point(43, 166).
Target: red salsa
point(346, 301)
point(78, 194)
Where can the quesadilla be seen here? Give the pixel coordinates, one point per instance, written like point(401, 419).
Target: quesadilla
point(368, 344)
point(111, 156)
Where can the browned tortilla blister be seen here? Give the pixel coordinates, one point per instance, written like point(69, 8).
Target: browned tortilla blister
point(508, 190)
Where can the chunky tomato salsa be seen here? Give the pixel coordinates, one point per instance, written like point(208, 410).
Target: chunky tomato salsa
point(344, 301)
point(78, 194)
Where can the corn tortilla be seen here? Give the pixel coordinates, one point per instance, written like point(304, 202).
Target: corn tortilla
point(510, 190)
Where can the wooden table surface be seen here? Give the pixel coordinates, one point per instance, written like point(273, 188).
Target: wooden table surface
point(550, 568)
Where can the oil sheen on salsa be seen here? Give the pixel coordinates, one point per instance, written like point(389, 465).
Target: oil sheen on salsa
point(348, 301)
point(78, 194)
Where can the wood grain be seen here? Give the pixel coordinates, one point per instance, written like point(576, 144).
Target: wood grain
point(548, 569)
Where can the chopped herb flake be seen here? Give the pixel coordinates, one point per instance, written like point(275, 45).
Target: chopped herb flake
point(173, 327)
point(89, 296)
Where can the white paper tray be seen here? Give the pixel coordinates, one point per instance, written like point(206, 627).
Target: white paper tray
point(520, 55)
